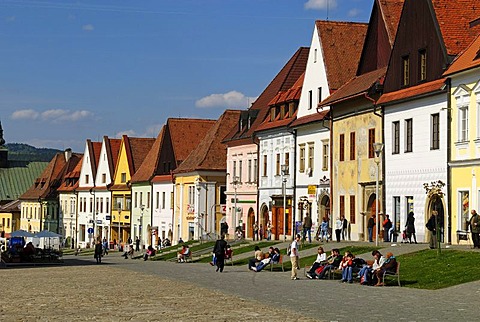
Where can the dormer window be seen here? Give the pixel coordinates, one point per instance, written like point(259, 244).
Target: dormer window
point(310, 100)
point(273, 113)
point(87, 178)
point(406, 70)
point(291, 109)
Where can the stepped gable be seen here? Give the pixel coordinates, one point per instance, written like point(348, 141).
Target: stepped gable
point(138, 149)
point(456, 22)
point(342, 44)
point(46, 184)
point(149, 165)
point(469, 58)
point(186, 134)
point(356, 87)
point(211, 153)
point(284, 80)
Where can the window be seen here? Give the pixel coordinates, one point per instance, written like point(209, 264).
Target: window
point(135, 200)
point(406, 70)
point(463, 123)
point(352, 209)
point(255, 167)
point(91, 205)
point(396, 213)
point(409, 206)
point(287, 160)
point(234, 168)
point(157, 200)
point(464, 209)
point(87, 179)
point(319, 94)
point(291, 109)
point(240, 170)
point(310, 100)
point(277, 165)
point(315, 55)
point(342, 205)
point(191, 195)
point(249, 171)
point(141, 200)
point(273, 113)
point(311, 155)
point(123, 177)
point(264, 165)
point(302, 158)
point(342, 147)
point(371, 140)
point(435, 131)
point(148, 199)
point(422, 64)
point(352, 145)
point(97, 204)
point(396, 137)
point(325, 151)
point(408, 135)
point(163, 200)
point(101, 205)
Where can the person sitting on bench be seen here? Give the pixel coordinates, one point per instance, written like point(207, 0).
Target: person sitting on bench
point(183, 253)
point(129, 252)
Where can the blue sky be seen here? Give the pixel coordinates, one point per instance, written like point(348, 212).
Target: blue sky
point(77, 70)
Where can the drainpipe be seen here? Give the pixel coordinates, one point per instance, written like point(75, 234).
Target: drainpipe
point(449, 169)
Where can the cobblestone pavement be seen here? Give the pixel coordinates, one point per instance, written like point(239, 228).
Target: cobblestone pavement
point(124, 290)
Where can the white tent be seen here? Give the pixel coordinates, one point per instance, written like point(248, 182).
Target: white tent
point(47, 240)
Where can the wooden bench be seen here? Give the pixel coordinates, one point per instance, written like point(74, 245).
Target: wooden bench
point(279, 263)
point(395, 274)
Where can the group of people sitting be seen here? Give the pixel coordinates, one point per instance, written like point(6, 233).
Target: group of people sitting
point(261, 260)
point(369, 273)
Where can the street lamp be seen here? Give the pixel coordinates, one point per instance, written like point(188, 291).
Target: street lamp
point(378, 147)
point(235, 183)
point(142, 207)
point(284, 169)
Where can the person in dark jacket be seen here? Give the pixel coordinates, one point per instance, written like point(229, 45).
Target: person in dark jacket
point(334, 261)
point(98, 252)
point(219, 251)
point(432, 227)
point(410, 227)
point(307, 228)
point(390, 265)
point(371, 227)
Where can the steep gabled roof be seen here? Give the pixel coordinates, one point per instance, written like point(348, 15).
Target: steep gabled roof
point(113, 149)
point(136, 150)
point(147, 170)
point(455, 20)
point(211, 153)
point(284, 80)
point(18, 177)
point(186, 134)
point(357, 86)
point(391, 11)
point(470, 58)
point(72, 174)
point(342, 44)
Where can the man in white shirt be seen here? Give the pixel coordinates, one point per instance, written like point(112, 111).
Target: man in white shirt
point(294, 256)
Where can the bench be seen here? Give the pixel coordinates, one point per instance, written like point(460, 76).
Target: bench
point(395, 274)
point(279, 263)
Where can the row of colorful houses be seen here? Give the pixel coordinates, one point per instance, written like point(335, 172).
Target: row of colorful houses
point(371, 118)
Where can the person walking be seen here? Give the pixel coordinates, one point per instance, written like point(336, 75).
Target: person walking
point(269, 230)
point(137, 244)
point(255, 231)
point(410, 227)
point(307, 227)
point(344, 227)
point(371, 227)
point(387, 225)
point(219, 251)
point(338, 228)
point(294, 256)
point(432, 227)
point(98, 251)
point(475, 228)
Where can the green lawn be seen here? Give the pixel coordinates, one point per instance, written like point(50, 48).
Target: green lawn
point(171, 252)
point(426, 270)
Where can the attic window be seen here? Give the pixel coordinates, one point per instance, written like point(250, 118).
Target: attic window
point(273, 113)
point(422, 60)
point(315, 56)
point(406, 70)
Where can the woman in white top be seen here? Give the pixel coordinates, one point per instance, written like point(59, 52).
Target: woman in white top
point(338, 228)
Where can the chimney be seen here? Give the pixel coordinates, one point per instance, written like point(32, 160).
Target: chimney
point(68, 154)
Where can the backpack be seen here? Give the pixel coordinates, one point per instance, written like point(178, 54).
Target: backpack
point(289, 250)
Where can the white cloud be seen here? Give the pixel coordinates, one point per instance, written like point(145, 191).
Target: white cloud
point(88, 27)
point(126, 132)
point(232, 99)
point(25, 115)
point(153, 130)
point(354, 12)
point(59, 115)
point(320, 4)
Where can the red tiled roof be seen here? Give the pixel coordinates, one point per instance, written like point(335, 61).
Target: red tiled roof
point(45, 185)
point(138, 150)
point(70, 180)
point(342, 44)
point(355, 87)
point(186, 134)
point(162, 178)
point(113, 149)
point(149, 165)
point(211, 153)
point(411, 92)
point(315, 117)
point(284, 80)
point(454, 18)
point(391, 11)
point(470, 58)
point(291, 94)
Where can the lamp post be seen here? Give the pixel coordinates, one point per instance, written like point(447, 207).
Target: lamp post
point(142, 207)
point(284, 169)
point(235, 182)
point(378, 147)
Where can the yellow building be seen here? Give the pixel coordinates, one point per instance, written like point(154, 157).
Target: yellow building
point(465, 139)
point(130, 157)
point(200, 184)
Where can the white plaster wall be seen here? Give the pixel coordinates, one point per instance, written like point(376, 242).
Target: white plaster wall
point(162, 217)
point(407, 172)
point(137, 220)
point(315, 77)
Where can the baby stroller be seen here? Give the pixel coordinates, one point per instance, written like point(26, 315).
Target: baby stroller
point(404, 237)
